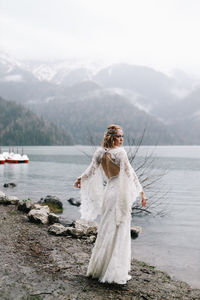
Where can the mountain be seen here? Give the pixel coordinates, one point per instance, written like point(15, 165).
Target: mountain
point(184, 82)
point(147, 88)
point(19, 84)
point(8, 63)
point(72, 77)
point(89, 119)
point(20, 126)
point(185, 118)
point(140, 79)
point(71, 86)
point(39, 82)
point(58, 71)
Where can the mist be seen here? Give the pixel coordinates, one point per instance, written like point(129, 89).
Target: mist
point(158, 34)
point(95, 63)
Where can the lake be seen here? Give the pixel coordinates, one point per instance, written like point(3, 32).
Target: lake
point(170, 241)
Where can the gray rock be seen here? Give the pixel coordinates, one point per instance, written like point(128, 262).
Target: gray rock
point(58, 229)
point(4, 199)
point(39, 215)
point(52, 199)
point(83, 229)
point(38, 206)
point(77, 233)
point(135, 231)
point(74, 202)
point(80, 229)
point(13, 200)
point(25, 206)
point(53, 218)
point(10, 184)
point(92, 239)
point(2, 195)
point(87, 227)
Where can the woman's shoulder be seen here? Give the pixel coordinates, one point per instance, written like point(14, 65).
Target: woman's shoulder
point(113, 151)
point(99, 152)
point(118, 152)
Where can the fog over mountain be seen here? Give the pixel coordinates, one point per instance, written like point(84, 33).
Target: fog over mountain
point(82, 99)
point(20, 126)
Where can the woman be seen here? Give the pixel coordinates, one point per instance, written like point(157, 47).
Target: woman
point(111, 256)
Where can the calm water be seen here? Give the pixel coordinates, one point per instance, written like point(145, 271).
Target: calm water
point(171, 242)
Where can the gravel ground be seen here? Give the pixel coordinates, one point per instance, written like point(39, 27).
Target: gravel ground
point(35, 265)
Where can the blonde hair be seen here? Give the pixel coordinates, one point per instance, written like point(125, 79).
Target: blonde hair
point(110, 135)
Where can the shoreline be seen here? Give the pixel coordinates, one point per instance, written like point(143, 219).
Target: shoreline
point(171, 270)
point(36, 265)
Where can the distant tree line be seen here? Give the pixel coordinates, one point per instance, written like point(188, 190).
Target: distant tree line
point(90, 117)
point(19, 126)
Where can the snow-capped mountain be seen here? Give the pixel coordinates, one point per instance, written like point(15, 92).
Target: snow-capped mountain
point(9, 62)
point(169, 99)
point(42, 71)
point(55, 71)
point(13, 70)
point(58, 71)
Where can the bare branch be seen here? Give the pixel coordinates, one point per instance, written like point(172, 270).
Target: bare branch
point(148, 174)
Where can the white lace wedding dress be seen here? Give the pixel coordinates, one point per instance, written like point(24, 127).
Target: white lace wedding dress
point(111, 255)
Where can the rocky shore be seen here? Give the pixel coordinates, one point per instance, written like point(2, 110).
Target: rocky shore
point(35, 265)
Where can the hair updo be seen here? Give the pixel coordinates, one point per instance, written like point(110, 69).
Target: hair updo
point(110, 135)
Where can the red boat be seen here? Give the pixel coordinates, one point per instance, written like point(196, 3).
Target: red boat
point(17, 159)
point(2, 159)
point(14, 158)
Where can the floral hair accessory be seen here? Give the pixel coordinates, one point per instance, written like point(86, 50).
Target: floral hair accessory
point(111, 132)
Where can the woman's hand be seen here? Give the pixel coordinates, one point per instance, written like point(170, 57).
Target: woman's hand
point(77, 183)
point(144, 199)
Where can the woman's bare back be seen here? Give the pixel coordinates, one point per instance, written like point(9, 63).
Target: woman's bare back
point(111, 169)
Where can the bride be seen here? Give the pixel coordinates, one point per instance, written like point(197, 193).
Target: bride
point(111, 256)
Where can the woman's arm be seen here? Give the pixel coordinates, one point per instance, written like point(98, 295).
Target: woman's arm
point(139, 186)
point(143, 199)
point(90, 170)
point(129, 170)
point(77, 183)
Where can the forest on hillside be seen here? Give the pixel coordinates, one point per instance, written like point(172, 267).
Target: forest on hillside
point(20, 126)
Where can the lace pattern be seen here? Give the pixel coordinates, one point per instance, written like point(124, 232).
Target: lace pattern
point(111, 255)
point(92, 189)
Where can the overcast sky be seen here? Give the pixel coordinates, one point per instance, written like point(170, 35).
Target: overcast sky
point(163, 34)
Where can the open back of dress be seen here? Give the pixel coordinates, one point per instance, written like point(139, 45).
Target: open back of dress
point(111, 169)
point(111, 255)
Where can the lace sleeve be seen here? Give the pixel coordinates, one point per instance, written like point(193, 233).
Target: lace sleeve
point(93, 166)
point(130, 172)
point(129, 188)
point(92, 188)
